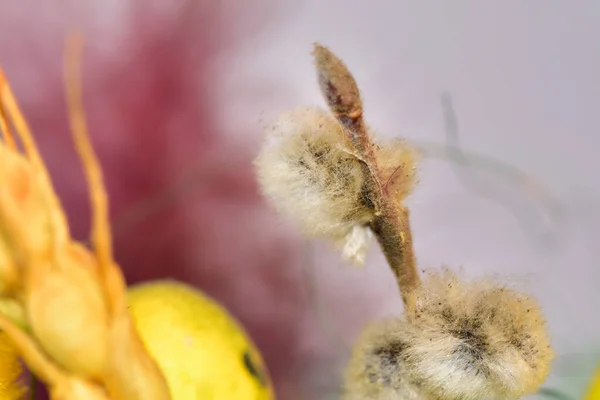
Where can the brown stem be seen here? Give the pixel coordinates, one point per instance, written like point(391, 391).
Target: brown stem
point(391, 224)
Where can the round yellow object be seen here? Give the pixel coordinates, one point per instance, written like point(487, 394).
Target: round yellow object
point(203, 352)
point(594, 389)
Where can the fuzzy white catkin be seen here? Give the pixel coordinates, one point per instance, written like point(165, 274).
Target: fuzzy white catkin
point(356, 244)
point(306, 171)
point(465, 341)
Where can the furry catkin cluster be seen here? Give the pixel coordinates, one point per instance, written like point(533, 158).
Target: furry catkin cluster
point(309, 171)
point(465, 340)
point(457, 340)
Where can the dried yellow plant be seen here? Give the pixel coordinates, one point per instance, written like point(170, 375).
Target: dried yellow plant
point(69, 319)
point(11, 385)
point(456, 340)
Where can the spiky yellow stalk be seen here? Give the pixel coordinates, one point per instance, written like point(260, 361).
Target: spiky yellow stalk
point(78, 337)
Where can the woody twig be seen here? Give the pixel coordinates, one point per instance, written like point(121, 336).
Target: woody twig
point(391, 222)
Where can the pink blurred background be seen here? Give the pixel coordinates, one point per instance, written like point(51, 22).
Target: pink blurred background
point(176, 93)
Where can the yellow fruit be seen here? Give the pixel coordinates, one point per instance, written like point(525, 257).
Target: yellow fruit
point(594, 389)
point(203, 352)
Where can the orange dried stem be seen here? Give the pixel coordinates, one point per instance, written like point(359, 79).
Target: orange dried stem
point(5, 131)
point(59, 231)
point(100, 228)
point(100, 232)
point(22, 128)
point(391, 223)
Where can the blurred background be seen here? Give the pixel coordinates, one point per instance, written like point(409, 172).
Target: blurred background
point(500, 97)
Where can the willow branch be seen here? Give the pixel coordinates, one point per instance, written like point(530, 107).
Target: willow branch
point(391, 224)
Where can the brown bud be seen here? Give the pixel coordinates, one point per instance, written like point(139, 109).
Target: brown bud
point(337, 84)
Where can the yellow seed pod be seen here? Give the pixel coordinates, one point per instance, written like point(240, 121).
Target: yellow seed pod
point(19, 201)
point(50, 272)
point(202, 351)
point(78, 342)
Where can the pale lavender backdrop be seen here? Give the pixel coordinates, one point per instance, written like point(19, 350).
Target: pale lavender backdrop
point(524, 76)
point(171, 90)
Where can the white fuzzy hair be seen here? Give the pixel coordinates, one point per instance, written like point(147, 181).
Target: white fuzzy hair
point(307, 172)
point(466, 341)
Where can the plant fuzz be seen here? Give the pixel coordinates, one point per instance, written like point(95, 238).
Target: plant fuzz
point(309, 170)
point(466, 340)
point(456, 340)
